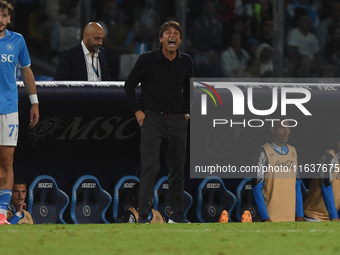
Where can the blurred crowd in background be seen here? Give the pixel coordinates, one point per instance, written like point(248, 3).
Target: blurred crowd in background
point(226, 38)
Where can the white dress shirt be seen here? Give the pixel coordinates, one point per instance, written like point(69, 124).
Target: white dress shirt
point(92, 64)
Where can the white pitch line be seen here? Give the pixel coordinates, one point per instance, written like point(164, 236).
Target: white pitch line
point(188, 230)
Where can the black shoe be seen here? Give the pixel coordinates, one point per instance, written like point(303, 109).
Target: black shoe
point(143, 219)
point(177, 218)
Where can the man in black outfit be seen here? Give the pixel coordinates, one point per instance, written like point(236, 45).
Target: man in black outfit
point(163, 114)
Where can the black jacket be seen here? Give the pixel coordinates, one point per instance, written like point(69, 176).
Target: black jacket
point(72, 66)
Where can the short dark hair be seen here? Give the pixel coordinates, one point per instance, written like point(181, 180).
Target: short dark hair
point(168, 24)
point(6, 5)
point(18, 181)
point(299, 13)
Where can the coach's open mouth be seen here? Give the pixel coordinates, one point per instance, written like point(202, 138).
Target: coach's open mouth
point(172, 43)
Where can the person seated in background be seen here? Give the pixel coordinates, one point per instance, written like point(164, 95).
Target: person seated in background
point(303, 4)
point(301, 40)
point(266, 31)
point(263, 9)
point(86, 61)
point(16, 212)
point(132, 214)
point(322, 33)
point(265, 54)
point(322, 202)
point(234, 59)
point(252, 70)
point(278, 194)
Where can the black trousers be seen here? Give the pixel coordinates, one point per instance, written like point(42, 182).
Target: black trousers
point(171, 132)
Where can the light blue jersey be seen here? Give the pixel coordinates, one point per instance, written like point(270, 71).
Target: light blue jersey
point(13, 54)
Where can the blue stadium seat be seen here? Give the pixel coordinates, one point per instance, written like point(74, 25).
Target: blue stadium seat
point(161, 199)
point(213, 198)
point(46, 202)
point(245, 200)
point(89, 201)
point(122, 199)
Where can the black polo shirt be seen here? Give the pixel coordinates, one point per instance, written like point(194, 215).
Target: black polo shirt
point(165, 84)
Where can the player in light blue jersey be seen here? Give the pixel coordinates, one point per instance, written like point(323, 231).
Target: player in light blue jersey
point(13, 54)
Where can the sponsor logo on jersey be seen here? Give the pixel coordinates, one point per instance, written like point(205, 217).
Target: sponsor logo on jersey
point(6, 58)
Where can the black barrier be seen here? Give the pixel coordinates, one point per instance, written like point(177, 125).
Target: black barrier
point(83, 129)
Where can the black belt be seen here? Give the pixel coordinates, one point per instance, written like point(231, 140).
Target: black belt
point(165, 114)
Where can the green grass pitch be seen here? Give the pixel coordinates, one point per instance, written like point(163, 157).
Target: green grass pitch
point(195, 238)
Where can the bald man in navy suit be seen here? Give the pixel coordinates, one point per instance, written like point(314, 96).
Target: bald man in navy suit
point(86, 61)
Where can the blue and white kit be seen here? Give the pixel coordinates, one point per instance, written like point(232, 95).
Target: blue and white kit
point(13, 54)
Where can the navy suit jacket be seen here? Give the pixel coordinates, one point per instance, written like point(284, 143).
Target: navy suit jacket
point(72, 66)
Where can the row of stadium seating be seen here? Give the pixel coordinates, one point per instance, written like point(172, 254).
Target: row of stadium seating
point(89, 202)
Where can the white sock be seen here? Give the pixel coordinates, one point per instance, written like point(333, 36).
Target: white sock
point(3, 211)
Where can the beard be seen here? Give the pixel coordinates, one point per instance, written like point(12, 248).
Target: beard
point(1, 30)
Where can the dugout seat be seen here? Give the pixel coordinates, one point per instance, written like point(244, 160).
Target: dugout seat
point(46, 202)
point(89, 201)
point(161, 199)
point(122, 199)
point(245, 200)
point(213, 198)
